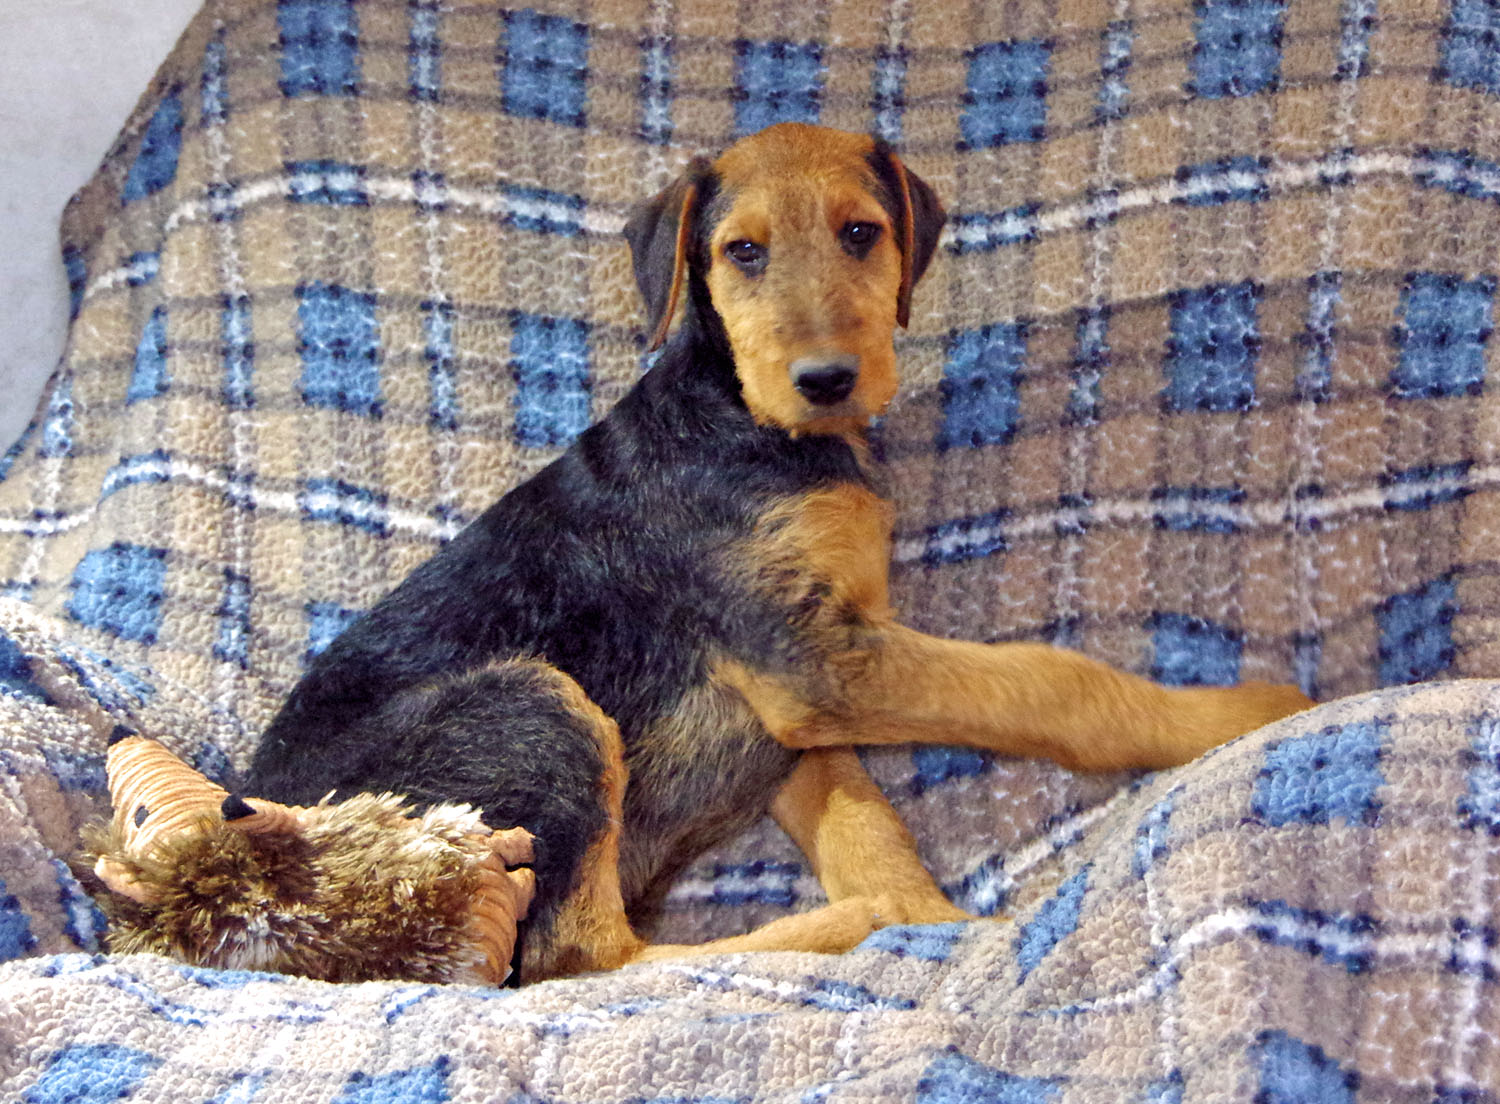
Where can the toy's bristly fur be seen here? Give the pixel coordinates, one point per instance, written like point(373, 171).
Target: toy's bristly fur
point(360, 890)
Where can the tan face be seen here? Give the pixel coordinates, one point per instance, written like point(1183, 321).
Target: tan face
point(805, 271)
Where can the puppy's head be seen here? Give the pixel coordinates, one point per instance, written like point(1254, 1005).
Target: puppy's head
point(807, 242)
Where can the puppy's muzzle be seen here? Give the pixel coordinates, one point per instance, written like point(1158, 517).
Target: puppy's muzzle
point(824, 381)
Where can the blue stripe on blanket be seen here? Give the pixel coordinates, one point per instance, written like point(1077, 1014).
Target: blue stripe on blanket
point(1317, 778)
point(955, 1078)
point(776, 81)
point(88, 1073)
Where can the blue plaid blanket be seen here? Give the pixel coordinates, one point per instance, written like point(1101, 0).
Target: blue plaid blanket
point(1198, 384)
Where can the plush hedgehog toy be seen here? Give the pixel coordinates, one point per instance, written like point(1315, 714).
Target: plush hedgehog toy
point(354, 891)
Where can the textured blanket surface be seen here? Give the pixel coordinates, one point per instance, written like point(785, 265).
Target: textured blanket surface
point(1198, 384)
point(1305, 915)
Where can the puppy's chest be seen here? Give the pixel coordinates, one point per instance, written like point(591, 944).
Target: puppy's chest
point(824, 556)
point(795, 592)
point(795, 587)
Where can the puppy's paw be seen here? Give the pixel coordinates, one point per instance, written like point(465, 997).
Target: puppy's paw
point(927, 909)
point(1260, 703)
point(1237, 710)
point(843, 925)
point(1209, 716)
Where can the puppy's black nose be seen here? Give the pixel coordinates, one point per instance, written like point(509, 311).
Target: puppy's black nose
point(825, 380)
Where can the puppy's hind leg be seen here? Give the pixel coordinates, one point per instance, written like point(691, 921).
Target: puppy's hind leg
point(591, 931)
point(521, 741)
point(832, 929)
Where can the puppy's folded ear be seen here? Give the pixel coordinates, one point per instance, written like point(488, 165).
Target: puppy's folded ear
point(659, 231)
point(920, 218)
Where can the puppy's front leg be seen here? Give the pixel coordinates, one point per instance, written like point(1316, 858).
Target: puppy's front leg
point(854, 840)
point(1032, 700)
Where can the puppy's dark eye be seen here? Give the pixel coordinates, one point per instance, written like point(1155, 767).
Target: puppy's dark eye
point(747, 254)
point(858, 237)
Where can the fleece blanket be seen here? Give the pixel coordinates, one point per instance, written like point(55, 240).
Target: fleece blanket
point(1198, 384)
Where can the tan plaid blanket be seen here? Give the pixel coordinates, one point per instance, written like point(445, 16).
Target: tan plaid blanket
point(1198, 384)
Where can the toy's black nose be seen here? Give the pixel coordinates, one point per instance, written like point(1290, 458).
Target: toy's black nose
point(825, 380)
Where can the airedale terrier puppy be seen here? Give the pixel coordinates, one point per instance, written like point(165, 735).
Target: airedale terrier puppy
point(684, 620)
